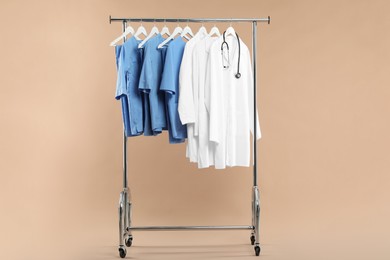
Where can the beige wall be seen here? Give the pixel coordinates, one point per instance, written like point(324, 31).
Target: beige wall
point(324, 108)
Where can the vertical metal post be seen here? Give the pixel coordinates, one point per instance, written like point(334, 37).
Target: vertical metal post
point(125, 184)
point(124, 25)
point(255, 238)
point(254, 36)
point(127, 202)
point(123, 206)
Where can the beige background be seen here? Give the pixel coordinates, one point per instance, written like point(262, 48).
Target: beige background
point(324, 157)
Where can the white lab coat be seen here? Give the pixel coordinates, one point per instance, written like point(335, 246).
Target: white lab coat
point(201, 131)
point(229, 102)
point(188, 104)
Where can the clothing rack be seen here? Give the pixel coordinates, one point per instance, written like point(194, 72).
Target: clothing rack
point(125, 228)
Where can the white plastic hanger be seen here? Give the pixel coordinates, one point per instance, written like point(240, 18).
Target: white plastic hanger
point(215, 31)
point(230, 31)
point(129, 30)
point(153, 32)
point(177, 30)
point(202, 30)
point(141, 30)
point(187, 30)
point(165, 30)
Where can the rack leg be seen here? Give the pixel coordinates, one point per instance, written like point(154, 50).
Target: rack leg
point(121, 211)
point(256, 224)
point(253, 237)
point(128, 234)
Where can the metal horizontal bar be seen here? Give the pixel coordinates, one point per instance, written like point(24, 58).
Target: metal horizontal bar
point(190, 20)
point(167, 228)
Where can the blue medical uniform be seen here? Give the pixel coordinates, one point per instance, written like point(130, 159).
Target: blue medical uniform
point(145, 98)
point(132, 69)
point(149, 82)
point(121, 92)
point(170, 85)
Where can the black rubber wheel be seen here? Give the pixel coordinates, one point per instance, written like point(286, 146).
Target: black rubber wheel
point(253, 240)
point(257, 250)
point(129, 241)
point(122, 252)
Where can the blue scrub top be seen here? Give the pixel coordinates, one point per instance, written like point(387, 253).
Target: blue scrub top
point(121, 92)
point(132, 69)
point(146, 107)
point(149, 82)
point(170, 85)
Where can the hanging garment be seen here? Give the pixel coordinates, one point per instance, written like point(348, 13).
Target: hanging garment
point(149, 83)
point(187, 102)
point(131, 69)
point(120, 92)
point(146, 105)
point(229, 101)
point(201, 128)
point(170, 85)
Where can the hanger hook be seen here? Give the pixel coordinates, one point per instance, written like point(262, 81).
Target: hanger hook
point(141, 22)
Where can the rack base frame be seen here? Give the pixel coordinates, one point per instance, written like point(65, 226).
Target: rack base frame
point(125, 205)
point(125, 228)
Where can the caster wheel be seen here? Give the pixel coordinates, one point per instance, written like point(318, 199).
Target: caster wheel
point(122, 252)
point(253, 240)
point(129, 241)
point(257, 250)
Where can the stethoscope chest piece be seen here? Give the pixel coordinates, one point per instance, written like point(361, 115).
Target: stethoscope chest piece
point(238, 75)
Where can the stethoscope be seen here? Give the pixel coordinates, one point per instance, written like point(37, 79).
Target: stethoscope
point(224, 43)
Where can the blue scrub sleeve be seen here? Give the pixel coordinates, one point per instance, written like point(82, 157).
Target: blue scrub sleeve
point(121, 77)
point(169, 77)
point(146, 76)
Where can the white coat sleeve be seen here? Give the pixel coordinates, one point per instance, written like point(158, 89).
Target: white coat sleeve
point(195, 88)
point(186, 98)
point(249, 80)
point(213, 95)
point(207, 85)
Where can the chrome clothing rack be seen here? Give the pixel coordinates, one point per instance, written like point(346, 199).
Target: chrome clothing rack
point(125, 228)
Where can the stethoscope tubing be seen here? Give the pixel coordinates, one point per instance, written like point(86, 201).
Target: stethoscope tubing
point(224, 43)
